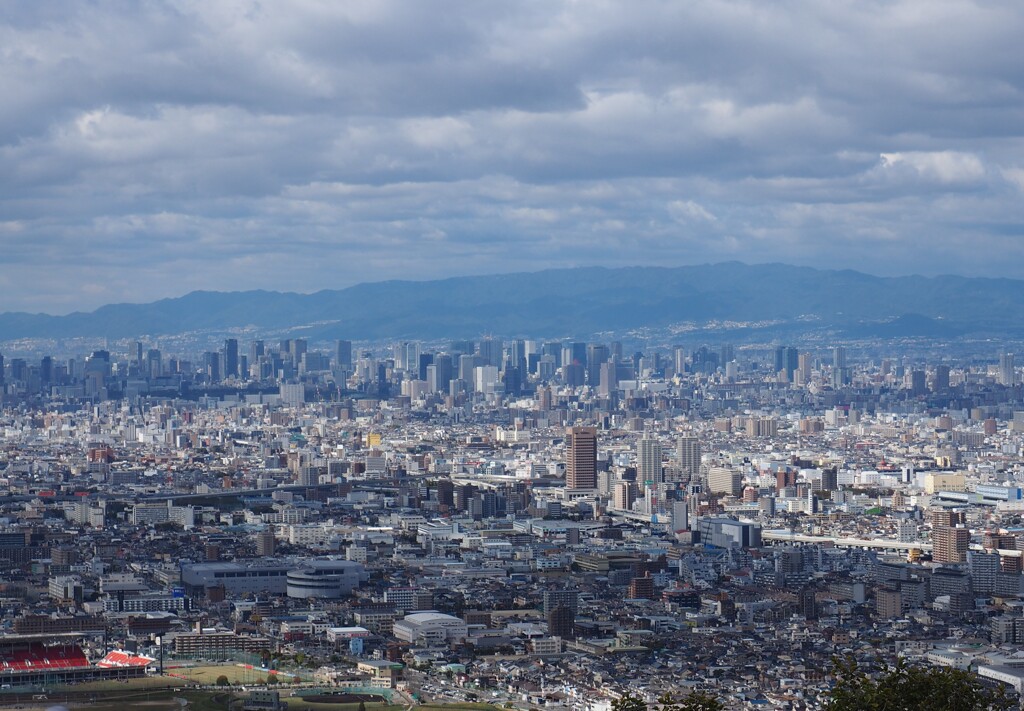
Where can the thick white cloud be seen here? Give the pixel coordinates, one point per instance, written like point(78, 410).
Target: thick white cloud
point(147, 149)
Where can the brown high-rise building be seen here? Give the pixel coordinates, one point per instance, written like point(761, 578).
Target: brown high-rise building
point(642, 588)
point(561, 622)
point(950, 544)
point(784, 478)
point(265, 544)
point(946, 517)
point(581, 458)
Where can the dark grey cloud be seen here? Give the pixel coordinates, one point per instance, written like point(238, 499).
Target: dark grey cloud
point(147, 149)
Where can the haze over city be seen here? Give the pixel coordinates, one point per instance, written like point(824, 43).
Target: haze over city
point(152, 149)
point(549, 355)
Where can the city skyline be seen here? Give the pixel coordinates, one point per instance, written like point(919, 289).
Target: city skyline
point(156, 150)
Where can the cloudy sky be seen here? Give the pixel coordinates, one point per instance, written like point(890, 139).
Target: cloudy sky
point(148, 149)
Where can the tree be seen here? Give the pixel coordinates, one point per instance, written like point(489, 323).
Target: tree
point(695, 701)
point(222, 680)
point(271, 679)
point(629, 702)
point(911, 688)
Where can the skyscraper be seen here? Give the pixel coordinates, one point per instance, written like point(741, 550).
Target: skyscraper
point(688, 451)
point(561, 622)
point(918, 382)
point(211, 363)
point(804, 367)
point(443, 371)
point(231, 357)
point(298, 349)
point(648, 461)
point(343, 354)
point(840, 373)
point(597, 353)
point(786, 359)
point(581, 458)
point(950, 544)
point(1007, 374)
point(491, 351)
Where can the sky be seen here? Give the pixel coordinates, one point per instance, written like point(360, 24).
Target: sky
point(149, 149)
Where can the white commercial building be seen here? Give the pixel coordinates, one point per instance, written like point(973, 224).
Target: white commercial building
point(430, 629)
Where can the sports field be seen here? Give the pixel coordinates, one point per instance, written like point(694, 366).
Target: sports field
point(208, 674)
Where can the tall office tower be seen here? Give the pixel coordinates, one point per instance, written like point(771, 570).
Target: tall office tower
point(688, 451)
point(298, 349)
point(137, 352)
point(573, 375)
point(839, 357)
point(458, 348)
point(1007, 374)
point(231, 357)
point(257, 349)
point(443, 371)
point(546, 368)
point(544, 398)
point(941, 378)
point(382, 383)
point(512, 377)
point(1, 369)
point(211, 364)
point(616, 350)
point(950, 544)
point(518, 355)
point(431, 379)
point(840, 372)
point(679, 354)
point(467, 365)
point(780, 359)
point(885, 368)
point(609, 380)
point(46, 370)
point(597, 353)
point(804, 367)
point(581, 458)
point(726, 354)
point(154, 364)
point(490, 350)
point(918, 383)
point(425, 360)
point(791, 363)
point(407, 356)
point(485, 377)
point(577, 353)
point(555, 351)
point(648, 461)
point(343, 354)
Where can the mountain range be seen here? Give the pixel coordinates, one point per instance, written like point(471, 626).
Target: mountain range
point(574, 303)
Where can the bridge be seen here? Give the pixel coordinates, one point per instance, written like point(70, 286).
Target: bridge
point(879, 543)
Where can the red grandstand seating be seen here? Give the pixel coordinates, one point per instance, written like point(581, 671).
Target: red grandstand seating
point(119, 658)
point(35, 657)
